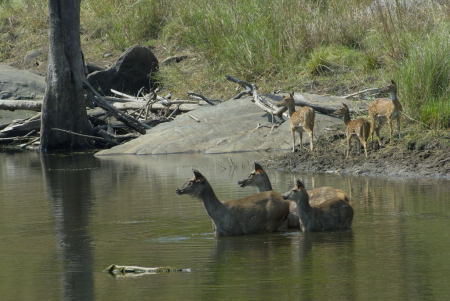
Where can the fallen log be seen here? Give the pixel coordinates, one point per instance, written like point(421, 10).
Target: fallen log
point(18, 104)
point(184, 107)
point(266, 106)
point(20, 129)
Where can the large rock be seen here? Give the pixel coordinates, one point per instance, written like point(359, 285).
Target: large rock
point(20, 84)
point(132, 71)
point(228, 127)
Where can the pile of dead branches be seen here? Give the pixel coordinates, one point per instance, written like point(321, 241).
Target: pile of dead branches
point(114, 119)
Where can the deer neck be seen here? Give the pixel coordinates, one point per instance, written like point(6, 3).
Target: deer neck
point(346, 116)
point(393, 95)
point(291, 108)
point(304, 208)
point(216, 210)
point(264, 183)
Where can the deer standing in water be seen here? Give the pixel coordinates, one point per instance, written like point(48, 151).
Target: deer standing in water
point(327, 216)
point(261, 212)
point(300, 120)
point(259, 178)
point(359, 127)
point(385, 108)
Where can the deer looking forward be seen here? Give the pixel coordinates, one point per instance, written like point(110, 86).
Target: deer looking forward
point(261, 212)
point(328, 216)
point(385, 108)
point(300, 120)
point(259, 178)
point(359, 127)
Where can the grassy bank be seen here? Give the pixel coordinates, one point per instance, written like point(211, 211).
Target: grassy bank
point(329, 46)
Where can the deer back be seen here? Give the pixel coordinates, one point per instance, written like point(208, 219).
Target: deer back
point(360, 127)
point(303, 116)
point(326, 193)
point(264, 211)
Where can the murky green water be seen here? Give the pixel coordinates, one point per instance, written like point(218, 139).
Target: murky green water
point(64, 219)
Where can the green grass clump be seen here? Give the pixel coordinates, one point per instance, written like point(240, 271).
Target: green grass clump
point(425, 79)
point(335, 59)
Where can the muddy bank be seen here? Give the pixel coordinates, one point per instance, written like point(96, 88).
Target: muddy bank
point(417, 158)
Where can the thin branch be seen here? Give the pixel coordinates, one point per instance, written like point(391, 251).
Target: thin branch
point(80, 135)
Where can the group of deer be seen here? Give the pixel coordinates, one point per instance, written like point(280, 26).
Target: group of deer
point(379, 110)
point(321, 209)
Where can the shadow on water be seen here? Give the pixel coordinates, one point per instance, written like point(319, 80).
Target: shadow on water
point(69, 189)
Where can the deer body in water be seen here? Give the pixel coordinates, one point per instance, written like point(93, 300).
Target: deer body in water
point(359, 127)
point(259, 178)
point(300, 120)
point(328, 216)
point(385, 108)
point(261, 212)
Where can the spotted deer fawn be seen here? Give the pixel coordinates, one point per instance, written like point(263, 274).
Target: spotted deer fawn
point(385, 108)
point(359, 127)
point(261, 212)
point(300, 120)
point(328, 216)
point(259, 178)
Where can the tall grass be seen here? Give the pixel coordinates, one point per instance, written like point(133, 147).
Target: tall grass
point(271, 40)
point(425, 79)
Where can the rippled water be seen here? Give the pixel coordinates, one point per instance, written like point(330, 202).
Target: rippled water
point(64, 219)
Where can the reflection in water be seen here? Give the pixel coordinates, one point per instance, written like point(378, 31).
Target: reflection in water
point(68, 182)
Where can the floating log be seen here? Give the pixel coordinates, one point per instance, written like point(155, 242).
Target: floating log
point(124, 270)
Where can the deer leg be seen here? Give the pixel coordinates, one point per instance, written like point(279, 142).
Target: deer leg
point(364, 144)
point(359, 145)
point(311, 135)
point(398, 126)
point(390, 128)
point(293, 140)
point(348, 145)
point(300, 132)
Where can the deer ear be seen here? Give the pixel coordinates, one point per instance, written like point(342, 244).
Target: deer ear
point(198, 175)
point(291, 94)
point(299, 184)
point(258, 167)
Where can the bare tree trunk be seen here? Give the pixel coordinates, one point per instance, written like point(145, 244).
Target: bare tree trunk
point(64, 104)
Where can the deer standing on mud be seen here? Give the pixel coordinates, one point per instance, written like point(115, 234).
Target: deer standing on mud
point(385, 108)
point(261, 212)
point(259, 178)
point(359, 127)
point(300, 120)
point(327, 216)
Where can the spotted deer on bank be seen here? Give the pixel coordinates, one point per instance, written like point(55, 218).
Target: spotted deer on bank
point(300, 120)
point(385, 108)
point(259, 179)
point(359, 127)
point(328, 216)
point(261, 212)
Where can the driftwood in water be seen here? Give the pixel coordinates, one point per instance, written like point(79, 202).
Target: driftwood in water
point(134, 271)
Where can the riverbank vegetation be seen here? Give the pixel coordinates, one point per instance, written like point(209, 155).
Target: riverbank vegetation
point(317, 46)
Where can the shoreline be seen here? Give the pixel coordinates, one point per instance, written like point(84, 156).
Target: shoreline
point(400, 159)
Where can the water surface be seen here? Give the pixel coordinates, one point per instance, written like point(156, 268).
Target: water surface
point(63, 219)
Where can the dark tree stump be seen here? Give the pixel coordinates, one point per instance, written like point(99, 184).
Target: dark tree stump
point(64, 103)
